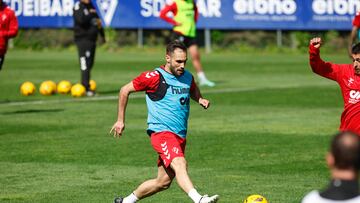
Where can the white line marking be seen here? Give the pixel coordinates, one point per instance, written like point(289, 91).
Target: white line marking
point(139, 95)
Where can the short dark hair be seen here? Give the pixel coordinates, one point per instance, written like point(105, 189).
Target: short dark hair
point(176, 44)
point(355, 49)
point(345, 148)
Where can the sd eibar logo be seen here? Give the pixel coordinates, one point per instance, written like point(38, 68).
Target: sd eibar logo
point(107, 9)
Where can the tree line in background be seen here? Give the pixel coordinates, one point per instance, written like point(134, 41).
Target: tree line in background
point(221, 40)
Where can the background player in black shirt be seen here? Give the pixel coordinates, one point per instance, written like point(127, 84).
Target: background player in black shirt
point(87, 26)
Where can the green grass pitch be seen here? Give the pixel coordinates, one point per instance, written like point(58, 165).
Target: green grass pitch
point(267, 130)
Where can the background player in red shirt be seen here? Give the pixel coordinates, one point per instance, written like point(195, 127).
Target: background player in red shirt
point(348, 78)
point(185, 16)
point(354, 35)
point(8, 28)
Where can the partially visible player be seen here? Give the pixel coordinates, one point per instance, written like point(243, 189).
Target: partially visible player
point(8, 29)
point(343, 160)
point(354, 35)
point(168, 89)
point(185, 16)
point(348, 78)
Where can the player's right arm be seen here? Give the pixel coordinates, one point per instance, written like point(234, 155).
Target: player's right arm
point(318, 66)
point(124, 93)
point(146, 81)
point(169, 8)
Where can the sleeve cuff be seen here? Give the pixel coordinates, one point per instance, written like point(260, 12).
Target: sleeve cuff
point(313, 50)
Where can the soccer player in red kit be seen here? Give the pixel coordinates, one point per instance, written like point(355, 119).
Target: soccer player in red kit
point(8, 28)
point(169, 89)
point(348, 78)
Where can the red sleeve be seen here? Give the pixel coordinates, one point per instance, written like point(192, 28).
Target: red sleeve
point(196, 13)
point(356, 21)
point(320, 67)
point(146, 81)
point(164, 13)
point(13, 26)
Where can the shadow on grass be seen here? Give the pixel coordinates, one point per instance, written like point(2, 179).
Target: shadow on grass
point(32, 111)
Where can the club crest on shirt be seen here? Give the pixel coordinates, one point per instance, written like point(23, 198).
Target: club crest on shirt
point(350, 81)
point(107, 9)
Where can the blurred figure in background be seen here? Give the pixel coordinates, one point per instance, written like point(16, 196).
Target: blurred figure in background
point(185, 16)
point(343, 160)
point(354, 35)
point(8, 29)
point(87, 26)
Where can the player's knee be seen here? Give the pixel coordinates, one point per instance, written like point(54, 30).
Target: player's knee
point(179, 164)
point(195, 56)
point(164, 183)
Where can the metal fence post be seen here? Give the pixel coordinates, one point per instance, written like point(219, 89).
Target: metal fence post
point(140, 37)
point(279, 38)
point(207, 41)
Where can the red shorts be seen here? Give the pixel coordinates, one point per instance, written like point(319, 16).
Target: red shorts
point(168, 145)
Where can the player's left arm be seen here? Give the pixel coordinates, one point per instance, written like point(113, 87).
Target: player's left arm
point(13, 27)
point(99, 25)
point(101, 30)
point(196, 11)
point(195, 94)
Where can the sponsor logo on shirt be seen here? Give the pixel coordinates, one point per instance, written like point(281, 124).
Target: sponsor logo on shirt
point(179, 90)
point(354, 96)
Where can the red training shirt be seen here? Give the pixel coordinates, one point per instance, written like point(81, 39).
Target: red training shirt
point(356, 20)
point(349, 82)
point(8, 26)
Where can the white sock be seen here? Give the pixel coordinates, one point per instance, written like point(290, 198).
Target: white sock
point(201, 76)
point(194, 195)
point(130, 199)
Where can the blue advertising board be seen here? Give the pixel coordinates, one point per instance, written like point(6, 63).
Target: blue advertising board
point(214, 14)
